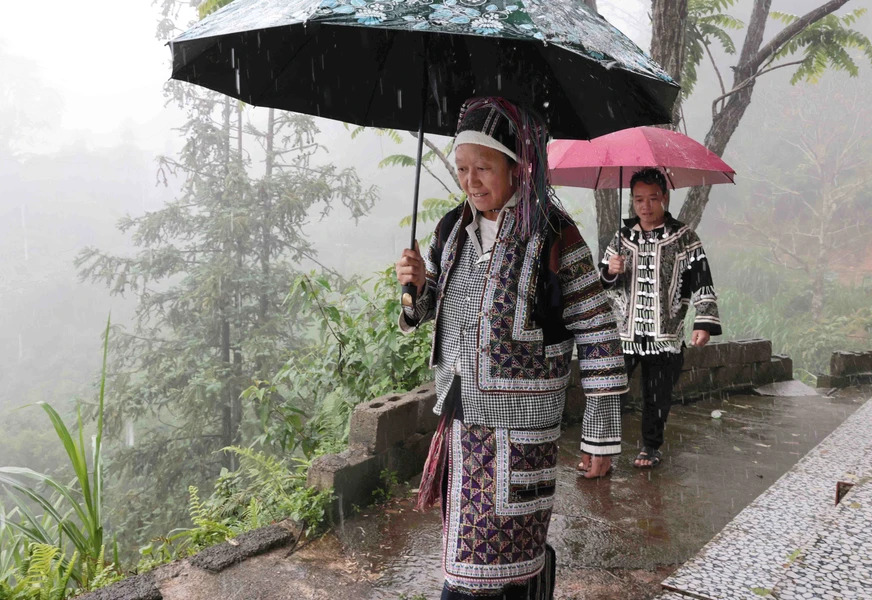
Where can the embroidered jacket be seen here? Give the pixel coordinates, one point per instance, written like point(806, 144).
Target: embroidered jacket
point(666, 271)
point(511, 321)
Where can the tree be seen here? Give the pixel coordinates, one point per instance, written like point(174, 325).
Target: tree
point(810, 209)
point(211, 275)
point(823, 39)
point(27, 104)
point(668, 48)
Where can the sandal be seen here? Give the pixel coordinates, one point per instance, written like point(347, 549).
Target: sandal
point(585, 458)
point(649, 454)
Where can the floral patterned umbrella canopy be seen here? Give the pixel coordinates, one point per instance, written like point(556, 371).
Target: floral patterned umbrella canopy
point(407, 63)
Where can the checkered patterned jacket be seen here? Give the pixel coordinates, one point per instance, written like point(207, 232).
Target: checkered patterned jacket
point(533, 302)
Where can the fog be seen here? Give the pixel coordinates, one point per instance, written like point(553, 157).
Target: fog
point(83, 118)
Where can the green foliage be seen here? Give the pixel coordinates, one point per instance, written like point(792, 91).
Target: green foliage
point(391, 134)
point(353, 352)
point(72, 513)
point(209, 529)
point(44, 574)
point(758, 299)
point(210, 6)
point(433, 209)
point(278, 487)
point(263, 490)
point(210, 271)
point(387, 490)
point(827, 43)
point(12, 552)
point(707, 22)
point(397, 160)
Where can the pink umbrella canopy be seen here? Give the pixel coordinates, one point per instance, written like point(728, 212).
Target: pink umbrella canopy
point(602, 162)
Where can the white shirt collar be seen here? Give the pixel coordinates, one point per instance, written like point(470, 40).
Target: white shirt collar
point(473, 226)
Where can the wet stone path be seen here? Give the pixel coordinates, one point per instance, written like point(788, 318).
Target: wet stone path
point(615, 538)
point(636, 524)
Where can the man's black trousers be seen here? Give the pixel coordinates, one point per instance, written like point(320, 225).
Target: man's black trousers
point(660, 372)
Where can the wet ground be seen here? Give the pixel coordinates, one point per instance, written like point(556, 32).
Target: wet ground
point(615, 538)
point(639, 521)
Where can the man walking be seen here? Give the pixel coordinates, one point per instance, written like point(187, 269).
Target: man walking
point(660, 270)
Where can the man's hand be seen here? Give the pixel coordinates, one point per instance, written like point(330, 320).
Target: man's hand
point(410, 269)
point(616, 264)
point(699, 338)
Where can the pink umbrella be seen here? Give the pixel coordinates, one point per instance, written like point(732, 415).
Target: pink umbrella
point(609, 161)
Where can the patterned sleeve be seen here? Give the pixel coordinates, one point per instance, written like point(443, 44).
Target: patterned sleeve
point(425, 305)
point(700, 288)
point(587, 313)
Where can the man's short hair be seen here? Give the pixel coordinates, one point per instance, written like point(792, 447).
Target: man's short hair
point(651, 176)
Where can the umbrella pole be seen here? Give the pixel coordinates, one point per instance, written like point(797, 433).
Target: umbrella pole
point(410, 291)
point(620, 203)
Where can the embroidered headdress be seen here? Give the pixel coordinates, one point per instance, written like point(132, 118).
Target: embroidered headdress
point(519, 134)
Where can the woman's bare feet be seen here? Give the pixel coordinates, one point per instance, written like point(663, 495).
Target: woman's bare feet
point(594, 467)
point(600, 466)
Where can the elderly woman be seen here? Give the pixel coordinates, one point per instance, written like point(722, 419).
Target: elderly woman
point(512, 288)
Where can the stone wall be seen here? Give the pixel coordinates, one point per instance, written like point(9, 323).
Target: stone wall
point(716, 369)
point(847, 368)
point(394, 432)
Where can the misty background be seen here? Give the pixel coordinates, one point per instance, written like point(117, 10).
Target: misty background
point(83, 118)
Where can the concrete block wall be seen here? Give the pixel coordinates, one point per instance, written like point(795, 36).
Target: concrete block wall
point(394, 432)
point(730, 367)
point(715, 369)
point(847, 368)
point(389, 433)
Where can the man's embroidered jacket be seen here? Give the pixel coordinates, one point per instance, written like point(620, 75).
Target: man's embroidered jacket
point(681, 276)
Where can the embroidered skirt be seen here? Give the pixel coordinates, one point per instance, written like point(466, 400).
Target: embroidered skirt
point(497, 508)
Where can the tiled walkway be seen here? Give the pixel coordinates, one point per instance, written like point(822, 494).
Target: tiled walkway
point(792, 542)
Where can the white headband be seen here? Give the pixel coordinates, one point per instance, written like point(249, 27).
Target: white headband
point(470, 136)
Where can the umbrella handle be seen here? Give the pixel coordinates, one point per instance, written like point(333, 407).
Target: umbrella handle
point(410, 290)
point(410, 295)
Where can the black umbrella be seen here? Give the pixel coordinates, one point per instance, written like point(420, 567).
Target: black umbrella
point(409, 64)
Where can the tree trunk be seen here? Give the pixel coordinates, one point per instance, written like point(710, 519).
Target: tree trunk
point(726, 121)
point(607, 218)
point(266, 199)
point(825, 243)
point(669, 30)
point(667, 48)
point(227, 429)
